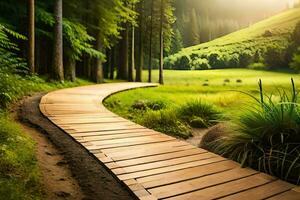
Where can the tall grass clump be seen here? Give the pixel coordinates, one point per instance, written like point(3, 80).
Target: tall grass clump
point(199, 114)
point(267, 136)
point(165, 121)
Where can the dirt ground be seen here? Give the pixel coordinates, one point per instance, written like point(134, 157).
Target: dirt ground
point(68, 170)
point(57, 180)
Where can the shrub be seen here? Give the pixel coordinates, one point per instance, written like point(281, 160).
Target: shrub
point(257, 66)
point(182, 63)
point(156, 105)
point(152, 105)
point(275, 57)
point(200, 64)
point(267, 137)
point(198, 114)
point(165, 121)
point(234, 61)
point(214, 60)
point(246, 58)
point(295, 64)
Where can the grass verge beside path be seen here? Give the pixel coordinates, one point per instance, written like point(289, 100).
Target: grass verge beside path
point(19, 172)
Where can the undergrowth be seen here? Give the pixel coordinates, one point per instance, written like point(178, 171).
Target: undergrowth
point(19, 173)
point(267, 136)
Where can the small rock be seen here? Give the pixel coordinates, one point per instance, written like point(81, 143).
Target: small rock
point(62, 179)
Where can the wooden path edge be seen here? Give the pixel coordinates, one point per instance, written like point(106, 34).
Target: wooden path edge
point(150, 164)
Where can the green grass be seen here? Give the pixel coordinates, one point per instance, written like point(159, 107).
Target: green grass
point(183, 86)
point(266, 137)
point(245, 43)
point(223, 90)
point(19, 173)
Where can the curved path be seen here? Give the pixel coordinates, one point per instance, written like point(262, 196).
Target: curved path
point(151, 164)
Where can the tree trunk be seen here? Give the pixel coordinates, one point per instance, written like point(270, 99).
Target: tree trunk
point(98, 68)
point(123, 72)
point(70, 69)
point(107, 64)
point(150, 44)
point(139, 68)
point(31, 36)
point(132, 66)
point(58, 72)
point(112, 64)
point(161, 38)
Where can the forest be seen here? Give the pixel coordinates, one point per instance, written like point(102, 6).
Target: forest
point(220, 76)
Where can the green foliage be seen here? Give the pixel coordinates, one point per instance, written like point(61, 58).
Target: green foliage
point(19, 174)
point(78, 41)
point(257, 66)
point(267, 136)
point(165, 121)
point(199, 114)
point(295, 64)
point(244, 47)
point(274, 57)
point(200, 64)
point(9, 62)
point(146, 104)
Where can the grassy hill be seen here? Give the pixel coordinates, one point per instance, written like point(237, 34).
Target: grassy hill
point(241, 48)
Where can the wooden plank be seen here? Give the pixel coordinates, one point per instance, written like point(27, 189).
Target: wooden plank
point(289, 195)
point(169, 169)
point(151, 138)
point(135, 143)
point(115, 132)
point(262, 192)
point(200, 183)
point(119, 136)
point(164, 163)
point(160, 157)
point(226, 189)
point(147, 147)
point(186, 174)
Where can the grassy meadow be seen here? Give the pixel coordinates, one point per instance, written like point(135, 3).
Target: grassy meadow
point(241, 48)
point(219, 87)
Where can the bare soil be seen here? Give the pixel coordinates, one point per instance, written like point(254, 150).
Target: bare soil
point(57, 180)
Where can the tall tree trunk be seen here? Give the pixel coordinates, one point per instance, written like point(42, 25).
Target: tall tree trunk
point(31, 36)
point(89, 67)
point(70, 69)
point(123, 72)
point(112, 64)
point(98, 68)
point(139, 68)
point(161, 38)
point(107, 64)
point(132, 65)
point(58, 72)
point(150, 44)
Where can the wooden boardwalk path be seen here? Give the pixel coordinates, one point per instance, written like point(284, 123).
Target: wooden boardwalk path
point(151, 164)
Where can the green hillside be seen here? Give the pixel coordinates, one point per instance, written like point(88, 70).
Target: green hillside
point(240, 48)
